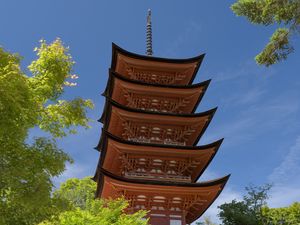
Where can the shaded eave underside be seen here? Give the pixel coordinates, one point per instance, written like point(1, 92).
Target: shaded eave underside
point(105, 134)
point(209, 183)
point(118, 50)
point(113, 75)
point(105, 118)
point(216, 145)
point(221, 181)
point(119, 76)
point(109, 103)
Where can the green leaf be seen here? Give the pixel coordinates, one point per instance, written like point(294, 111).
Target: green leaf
point(272, 12)
point(28, 101)
point(277, 49)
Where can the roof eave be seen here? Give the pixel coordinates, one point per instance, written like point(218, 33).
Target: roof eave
point(117, 49)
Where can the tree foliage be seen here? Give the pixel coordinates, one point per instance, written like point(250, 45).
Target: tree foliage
point(278, 216)
point(83, 209)
point(28, 101)
point(76, 192)
point(253, 210)
point(285, 13)
point(247, 211)
point(99, 212)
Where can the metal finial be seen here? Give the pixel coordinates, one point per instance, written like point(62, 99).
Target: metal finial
point(149, 50)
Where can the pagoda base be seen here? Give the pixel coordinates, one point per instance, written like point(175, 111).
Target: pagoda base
point(167, 203)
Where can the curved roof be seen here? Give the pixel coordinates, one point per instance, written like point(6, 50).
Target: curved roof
point(205, 153)
point(117, 49)
point(155, 63)
point(105, 134)
point(119, 76)
point(137, 94)
point(191, 126)
point(109, 102)
point(209, 183)
point(206, 192)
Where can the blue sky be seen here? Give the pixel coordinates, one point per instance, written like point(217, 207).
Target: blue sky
point(259, 108)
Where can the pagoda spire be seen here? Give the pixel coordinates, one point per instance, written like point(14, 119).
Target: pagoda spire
point(149, 50)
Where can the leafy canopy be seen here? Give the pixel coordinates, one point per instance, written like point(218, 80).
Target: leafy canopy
point(28, 101)
point(253, 210)
point(287, 215)
point(83, 209)
point(247, 211)
point(285, 13)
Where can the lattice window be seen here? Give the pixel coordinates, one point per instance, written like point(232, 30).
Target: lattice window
point(156, 77)
point(155, 103)
point(158, 168)
point(149, 133)
point(165, 203)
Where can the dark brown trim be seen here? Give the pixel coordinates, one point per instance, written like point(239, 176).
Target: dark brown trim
point(99, 179)
point(116, 49)
point(201, 95)
point(109, 102)
point(113, 75)
point(210, 160)
point(204, 128)
point(105, 135)
point(220, 191)
point(104, 112)
point(167, 183)
point(189, 86)
point(105, 118)
point(221, 180)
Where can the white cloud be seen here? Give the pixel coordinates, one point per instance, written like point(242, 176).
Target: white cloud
point(252, 107)
point(288, 172)
point(244, 72)
point(231, 131)
point(284, 195)
point(246, 98)
point(192, 29)
point(286, 178)
point(273, 114)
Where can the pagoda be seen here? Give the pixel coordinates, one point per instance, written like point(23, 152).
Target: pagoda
point(149, 153)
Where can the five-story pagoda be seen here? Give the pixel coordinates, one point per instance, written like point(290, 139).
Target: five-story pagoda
point(149, 137)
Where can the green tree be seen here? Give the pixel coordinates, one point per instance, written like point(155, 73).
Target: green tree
point(76, 193)
point(285, 13)
point(247, 211)
point(82, 209)
point(28, 101)
point(278, 216)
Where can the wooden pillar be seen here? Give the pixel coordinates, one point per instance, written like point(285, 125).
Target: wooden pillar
point(183, 217)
